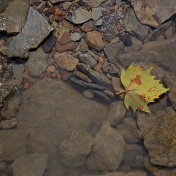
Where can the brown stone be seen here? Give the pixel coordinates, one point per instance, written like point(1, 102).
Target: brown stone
point(69, 46)
point(65, 38)
point(83, 76)
point(94, 40)
point(65, 75)
point(66, 61)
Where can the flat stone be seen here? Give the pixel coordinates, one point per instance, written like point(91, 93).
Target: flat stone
point(96, 13)
point(134, 27)
point(75, 36)
point(158, 140)
point(14, 17)
point(74, 148)
point(30, 165)
point(49, 43)
point(117, 112)
point(94, 3)
point(50, 114)
point(114, 50)
point(94, 40)
point(67, 47)
point(66, 61)
point(37, 62)
point(88, 59)
point(8, 138)
point(156, 52)
point(83, 46)
point(107, 151)
point(157, 32)
point(81, 16)
point(66, 5)
point(154, 12)
point(36, 29)
point(129, 130)
point(65, 38)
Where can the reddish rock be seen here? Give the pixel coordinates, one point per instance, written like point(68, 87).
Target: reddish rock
point(86, 27)
point(94, 40)
point(49, 11)
point(65, 38)
point(69, 46)
point(65, 75)
point(83, 76)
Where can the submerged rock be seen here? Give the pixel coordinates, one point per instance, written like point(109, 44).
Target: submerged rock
point(13, 18)
point(154, 12)
point(30, 165)
point(34, 32)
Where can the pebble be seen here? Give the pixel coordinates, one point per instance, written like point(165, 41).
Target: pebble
point(115, 40)
point(8, 124)
point(136, 44)
point(49, 43)
point(96, 13)
point(88, 94)
point(65, 61)
point(94, 40)
point(88, 59)
point(75, 37)
point(117, 112)
point(99, 22)
point(65, 38)
point(83, 46)
point(26, 85)
point(65, 75)
point(87, 27)
point(51, 69)
point(83, 76)
point(98, 67)
point(81, 16)
point(66, 5)
point(67, 47)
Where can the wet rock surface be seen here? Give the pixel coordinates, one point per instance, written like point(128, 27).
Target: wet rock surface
point(33, 33)
point(107, 152)
point(85, 44)
point(155, 12)
point(14, 17)
point(30, 165)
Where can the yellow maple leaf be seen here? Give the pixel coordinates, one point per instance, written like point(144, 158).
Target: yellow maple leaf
point(141, 87)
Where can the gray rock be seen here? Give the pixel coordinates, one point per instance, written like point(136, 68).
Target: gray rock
point(88, 59)
point(107, 151)
point(157, 32)
point(99, 22)
point(81, 16)
point(94, 3)
point(14, 17)
point(18, 71)
point(96, 13)
point(156, 52)
point(134, 27)
point(36, 29)
point(75, 36)
point(131, 154)
point(155, 11)
point(117, 112)
point(74, 148)
point(129, 130)
point(50, 114)
point(66, 5)
point(113, 50)
point(37, 62)
point(157, 130)
point(30, 165)
point(7, 139)
point(83, 46)
point(136, 44)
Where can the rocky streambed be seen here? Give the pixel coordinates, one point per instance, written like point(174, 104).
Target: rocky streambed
point(60, 65)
